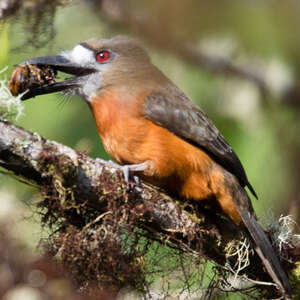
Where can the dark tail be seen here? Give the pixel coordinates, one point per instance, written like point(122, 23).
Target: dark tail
point(262, 243)
point(267, 254)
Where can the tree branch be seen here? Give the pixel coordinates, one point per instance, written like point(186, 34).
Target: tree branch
point(80, 192)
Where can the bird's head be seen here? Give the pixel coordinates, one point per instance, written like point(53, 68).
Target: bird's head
point(94, 64)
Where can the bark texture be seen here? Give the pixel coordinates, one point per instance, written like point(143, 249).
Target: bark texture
point(91, 206)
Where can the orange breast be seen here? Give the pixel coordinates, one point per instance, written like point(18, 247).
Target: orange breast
point(120, 127)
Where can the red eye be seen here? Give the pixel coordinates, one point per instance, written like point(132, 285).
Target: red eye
point(102, 56)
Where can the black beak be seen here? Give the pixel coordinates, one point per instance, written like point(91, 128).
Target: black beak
point(53, 63)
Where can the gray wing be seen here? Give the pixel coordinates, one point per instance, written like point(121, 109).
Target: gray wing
point(186, 120)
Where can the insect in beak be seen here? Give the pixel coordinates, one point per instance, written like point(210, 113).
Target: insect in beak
point(37, 76)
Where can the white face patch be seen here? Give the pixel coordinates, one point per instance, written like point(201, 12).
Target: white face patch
point(84, 57)
point(80, 55)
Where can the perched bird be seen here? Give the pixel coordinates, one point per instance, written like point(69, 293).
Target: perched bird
point(148, 124)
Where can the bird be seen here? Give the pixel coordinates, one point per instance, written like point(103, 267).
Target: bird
point(149, 126)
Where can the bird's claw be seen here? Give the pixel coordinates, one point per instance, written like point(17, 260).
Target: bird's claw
point(127, 169)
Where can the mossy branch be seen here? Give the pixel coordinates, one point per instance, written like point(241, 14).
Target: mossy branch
point(88, 199)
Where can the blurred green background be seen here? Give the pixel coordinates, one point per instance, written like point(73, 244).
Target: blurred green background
point(263, 130)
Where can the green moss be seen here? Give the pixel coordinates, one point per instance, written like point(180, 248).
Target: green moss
point(295, 281)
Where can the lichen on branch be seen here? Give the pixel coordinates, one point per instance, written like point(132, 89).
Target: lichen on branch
point(10, 106)
point(106, 231)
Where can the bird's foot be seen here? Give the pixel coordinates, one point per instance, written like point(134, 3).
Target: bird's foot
point(127, 169)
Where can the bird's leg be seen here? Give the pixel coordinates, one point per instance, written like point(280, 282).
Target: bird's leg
point(126, 169)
